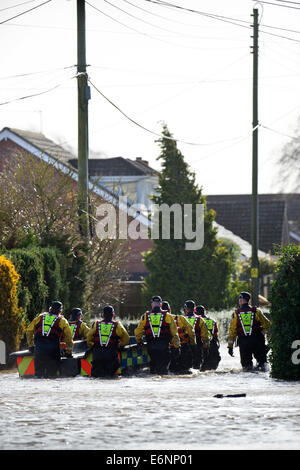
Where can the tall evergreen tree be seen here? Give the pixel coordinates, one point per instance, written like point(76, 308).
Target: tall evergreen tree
point(177, 274)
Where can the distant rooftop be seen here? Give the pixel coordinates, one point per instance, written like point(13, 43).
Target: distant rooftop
point(278, 215)
point(44, 144)
point(117, 166)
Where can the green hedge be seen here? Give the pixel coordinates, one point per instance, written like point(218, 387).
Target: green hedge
point(32, 290)
point(47, 274)
point(285, 314)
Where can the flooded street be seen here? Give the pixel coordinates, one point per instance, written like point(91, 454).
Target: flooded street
point(151, 412)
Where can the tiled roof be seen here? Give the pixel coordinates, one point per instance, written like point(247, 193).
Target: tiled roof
point(234, 213)
point(117, 166)
point(44, 144)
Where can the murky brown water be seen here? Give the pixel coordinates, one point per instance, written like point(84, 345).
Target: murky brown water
point(151, 412)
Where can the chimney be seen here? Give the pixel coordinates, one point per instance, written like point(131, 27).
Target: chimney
point(139, 159)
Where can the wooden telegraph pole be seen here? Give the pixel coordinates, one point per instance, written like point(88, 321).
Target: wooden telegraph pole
point(83, 146)
point(255, 206)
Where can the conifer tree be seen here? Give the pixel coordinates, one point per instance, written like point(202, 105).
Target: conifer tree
point(177, 274)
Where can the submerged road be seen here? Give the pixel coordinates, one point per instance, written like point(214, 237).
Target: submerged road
point(151, 412)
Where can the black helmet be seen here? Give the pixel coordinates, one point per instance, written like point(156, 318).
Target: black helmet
point(166, 306)
point(75, 313)
point(56, 307)
point(156, 298)
point(245, 295)
point(200, 310)
point(190, 304)
point(108, 312)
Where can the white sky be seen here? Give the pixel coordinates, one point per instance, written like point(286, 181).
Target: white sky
point(160, 64)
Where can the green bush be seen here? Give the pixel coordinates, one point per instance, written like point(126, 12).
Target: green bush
point(54, 275)
point(285, 314)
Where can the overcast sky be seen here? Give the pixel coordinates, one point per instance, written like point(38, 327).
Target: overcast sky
point(158, 63)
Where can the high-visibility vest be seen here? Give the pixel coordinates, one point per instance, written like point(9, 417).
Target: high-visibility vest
point(210, 325)
point(246, 322)
point(106, 333)
point(74, 327)
point(192, 320)
point(156, 326)
point(48, 326)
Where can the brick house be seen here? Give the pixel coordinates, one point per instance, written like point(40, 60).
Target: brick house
point(15, 142)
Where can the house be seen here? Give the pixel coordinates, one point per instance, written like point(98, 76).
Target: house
point(134, 179)
point(19, 142)
point(278, 221)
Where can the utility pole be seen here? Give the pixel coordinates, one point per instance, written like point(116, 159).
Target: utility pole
point(83, 146)
point(255, 206)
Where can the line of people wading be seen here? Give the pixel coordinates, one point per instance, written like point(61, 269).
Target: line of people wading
point(175, 343)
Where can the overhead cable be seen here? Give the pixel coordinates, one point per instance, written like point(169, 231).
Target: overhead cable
point(34, 94)
point(17, 5)
point(155, 133)
point(278, 4)
point(157, 15)
point(226, 18)
point(24, 12)
point(287, 1)
point(37, 73)
point(280, 133)
point(141, 32)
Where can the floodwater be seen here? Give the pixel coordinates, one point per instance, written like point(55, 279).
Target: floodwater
point(151, 412)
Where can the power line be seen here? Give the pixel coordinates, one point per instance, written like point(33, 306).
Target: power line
point(37, 73)
point(280, 133)
point(155, 133)
point(17, 5)
point(147, 22)
point(34, 94)
point(139, 19)
point(225, 19)
point(278, 4)
point(24, 12)
point(157, 15)
point(286, 1)
point(141, 32)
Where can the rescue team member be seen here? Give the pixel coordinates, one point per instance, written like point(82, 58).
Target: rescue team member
point(160, 330)
point(213, 358)
point(249, 324)
point(78, 328)
point(202, 336)
point(183, 362)
point(43, 337)
point(105, 338)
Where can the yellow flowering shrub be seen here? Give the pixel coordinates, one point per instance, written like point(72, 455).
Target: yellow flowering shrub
point(11, 323)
